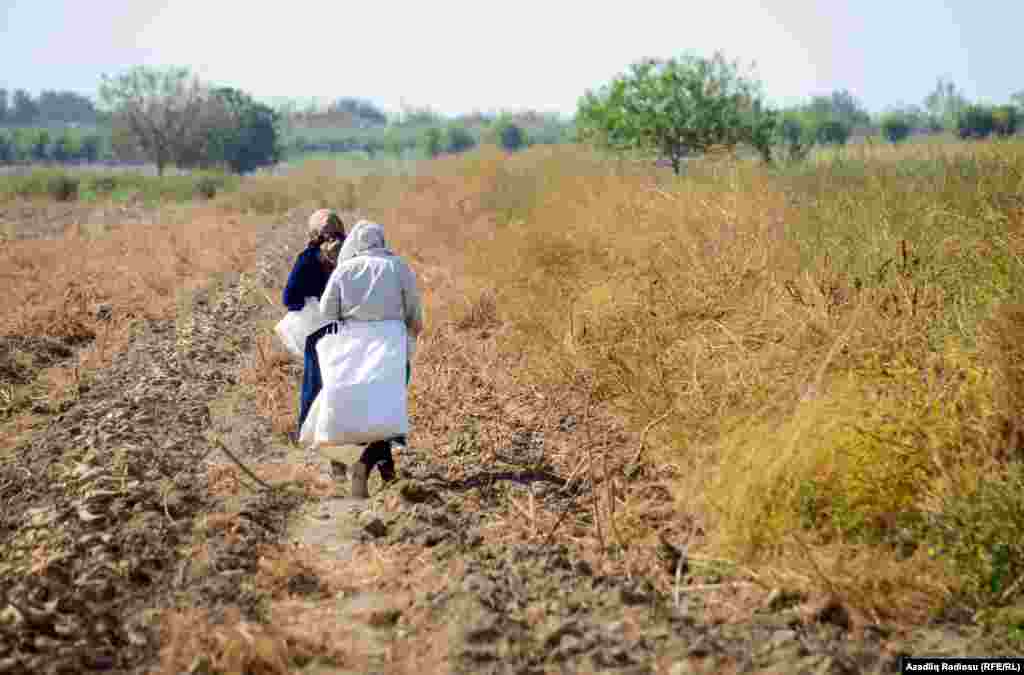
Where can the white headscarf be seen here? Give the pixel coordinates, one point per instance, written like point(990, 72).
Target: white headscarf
point(365, 236)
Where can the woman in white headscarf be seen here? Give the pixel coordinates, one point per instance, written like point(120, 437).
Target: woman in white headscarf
point(371, 292)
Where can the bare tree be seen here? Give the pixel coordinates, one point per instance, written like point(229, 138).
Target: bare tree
point(159, 108)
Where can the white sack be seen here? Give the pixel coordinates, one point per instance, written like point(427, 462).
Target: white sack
point(364, 397)
point(295, 327)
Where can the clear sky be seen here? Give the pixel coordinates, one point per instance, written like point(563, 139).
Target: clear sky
point(457, 56)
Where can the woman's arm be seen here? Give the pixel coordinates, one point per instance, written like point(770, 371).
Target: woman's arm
point(330, 301)
point(297, 288)
point(413, 305)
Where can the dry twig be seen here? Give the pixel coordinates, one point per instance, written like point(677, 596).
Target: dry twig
point(643, 436)
point(243, 467)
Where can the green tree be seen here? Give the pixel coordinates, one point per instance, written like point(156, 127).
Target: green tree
point(841, 106)
point(244, 134)
point(3, 106)
point(65, 147)
point(159, 108)
point(23, 140)
point(833, 132)
point(1017, 99)
point(416, 116)
point(23, 108)
point(976, 121)
point(794, 135)
point(431, 141)
point(508, 135)
point(945, 105)
point(393, 141)
point(675, 108)
point(40, 145)
point(829, 120)
point(915, 116)
point(761, 124)
point(64, 107)
point(90, 148)
point(6, 147)
point(458, 138)
point(896, 127)
point(1005, 120)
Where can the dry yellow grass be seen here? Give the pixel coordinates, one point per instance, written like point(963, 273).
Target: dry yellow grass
point(802, 347)
point(803, 350)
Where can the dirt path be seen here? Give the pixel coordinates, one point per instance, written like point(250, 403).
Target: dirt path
point(332, 528)
point(129, 540)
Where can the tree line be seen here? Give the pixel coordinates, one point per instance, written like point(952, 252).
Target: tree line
point(507, 131)
point(167, 116)
point(28, 144)
point(346, 111)
point(690, 106)
point(20, 108)
point(354, 125)
point(673, 108)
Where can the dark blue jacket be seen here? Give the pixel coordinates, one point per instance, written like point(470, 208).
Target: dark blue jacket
point(307, 278)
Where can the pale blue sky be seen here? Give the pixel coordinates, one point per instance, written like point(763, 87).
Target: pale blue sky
point(463, 56)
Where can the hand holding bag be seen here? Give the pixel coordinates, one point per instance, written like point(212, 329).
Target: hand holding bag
point(295, 327)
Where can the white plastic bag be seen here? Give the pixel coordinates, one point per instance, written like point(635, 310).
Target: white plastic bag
point(364, 397)
point(295, 327)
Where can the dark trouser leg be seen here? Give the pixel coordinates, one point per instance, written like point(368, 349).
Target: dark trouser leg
point(375, 453)
point(372, 454)
point(310, 387)
point(379, 454)
point(387, 464)
point(312, 381)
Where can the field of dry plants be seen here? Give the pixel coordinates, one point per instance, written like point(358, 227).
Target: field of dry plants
point(746, 420)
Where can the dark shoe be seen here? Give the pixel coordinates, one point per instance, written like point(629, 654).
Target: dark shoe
point(339, 471)
point(387, 471)
point(360, 474)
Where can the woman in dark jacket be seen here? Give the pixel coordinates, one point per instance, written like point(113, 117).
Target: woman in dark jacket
point(308, 278)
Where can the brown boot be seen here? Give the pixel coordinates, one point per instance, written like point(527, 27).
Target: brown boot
point(360, 474)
